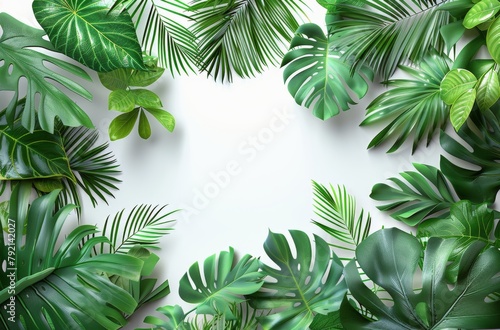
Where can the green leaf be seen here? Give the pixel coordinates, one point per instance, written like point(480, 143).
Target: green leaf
point(18, 59)
point(165, 118)
point(337, 209)
point(451, 34)
point(122, 125)
point(242, 37)
point(26, 155)
point(390, 258)
point(301, 286)
point(413, 106)
point(121, 100)
point(457, 8)
point(47, 185)
point(4, 215)
point(460, 110)
point(116, 79)
point(89, 32)
point(145, 78)
point(425, 194)
point(222, 283)
point(175, 319)
point(488, 89)
point(146, 98)
point(330, 321)
point(481, 12)
point(317, 77)
point(467, 223)
point(144, 127)
point(456, 83)
point(493, 40)
point(61, 287)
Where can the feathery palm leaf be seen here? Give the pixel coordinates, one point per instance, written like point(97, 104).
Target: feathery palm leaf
point(383, 34)
point(338, 210)
point(414, 105)
point(242, 36)
point(174, 44)
point(143, 227)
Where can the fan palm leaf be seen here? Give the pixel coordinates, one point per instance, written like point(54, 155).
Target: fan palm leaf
point(383, 34)
point(242, 36)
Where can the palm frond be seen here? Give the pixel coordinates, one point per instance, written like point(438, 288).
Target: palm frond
point(337, 209)
point(94, 167)
point(242, 36)
point(173, 43)
point(383, 34)
point(144, 226)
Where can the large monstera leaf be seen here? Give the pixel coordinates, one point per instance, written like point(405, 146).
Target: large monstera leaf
point(64, 288)
point(18, 60)
point(317, 76)
point(301, 286)
point(390, 258)
point(89, 32)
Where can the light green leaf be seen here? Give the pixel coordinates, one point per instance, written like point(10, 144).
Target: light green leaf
point(301, 286)
point(481, 12)
point(146, 98)
point(488, 89)
point(493, 40)
point(144, 127)
point(89, 32)
point(456, 83)
point(122, 125)
point(125, 77)
point(390, 258)
point(175, 319)
point(18, 60)
point(121, 100)
point(221, 284)
point(461, 109)
point(317, 76)
point(165, 118)
point(145, 78)
point(4, 215)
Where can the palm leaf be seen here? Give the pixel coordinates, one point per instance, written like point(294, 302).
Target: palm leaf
point(413, 106)
point(337, 209)
point(242, 36)
point(383, 34)
point(174, 44)
point(143, 227)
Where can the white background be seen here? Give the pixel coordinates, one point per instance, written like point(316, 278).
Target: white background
point(272, 187)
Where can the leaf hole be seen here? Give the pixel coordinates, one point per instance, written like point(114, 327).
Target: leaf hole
point(318, 290)
point(308, 280)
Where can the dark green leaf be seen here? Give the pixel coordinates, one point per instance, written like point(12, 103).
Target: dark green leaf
point(330, 321)
point(165, 118)
point(122, 125)
point(89, 32)
point(457, 8)
point(18, 59)
point(451, 34)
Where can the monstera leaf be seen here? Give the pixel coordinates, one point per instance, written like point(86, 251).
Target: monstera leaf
point(316, 75)
point(64, 288)
point(223, 284)
point(301, 286)
point(89, 32)
point(18, 60)
point(390, 257)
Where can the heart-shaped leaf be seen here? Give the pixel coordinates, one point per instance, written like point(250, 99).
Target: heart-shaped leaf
point(456, 83)
point(481, 12)
point(92, 34)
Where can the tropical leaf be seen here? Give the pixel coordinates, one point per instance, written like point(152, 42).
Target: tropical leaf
point(301, 286)
point(242, 36)
point(384, 34)
point(143, 227)
point(425, 194)
point(65, 287)
point(221, 284)
point(482, 135)
point(175, 319)
point(488, 89)
point(414, 105)
point(493, 40)
point(456, 83)
point(18, 59)
point(460, 110)
point(467, 223)
point(337, 209)
point(327, 322)
point(317, 76)
point(390, 258)
point(481, 12)
point(89, 32)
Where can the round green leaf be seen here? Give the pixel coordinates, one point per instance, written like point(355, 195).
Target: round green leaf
point(461, 109)
point(146, 98)
point(488, 90)
point(121, 100)
point(481, 12)
point(493, 40)
point(455, 83)
point(122, 125)
point(87, 31)
point(144, 127)
point(165, 118)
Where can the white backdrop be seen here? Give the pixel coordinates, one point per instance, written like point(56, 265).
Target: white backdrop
point(239, 163)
